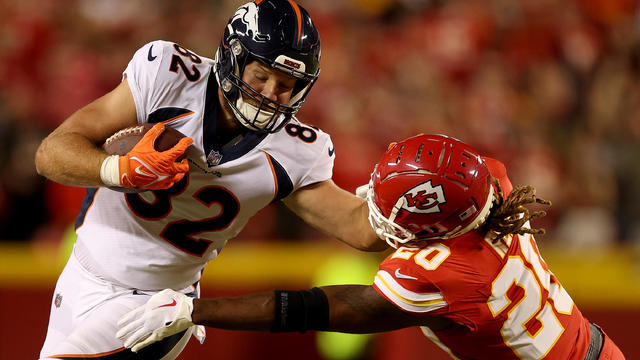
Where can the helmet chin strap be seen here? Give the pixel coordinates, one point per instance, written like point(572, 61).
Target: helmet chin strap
point(244, 110)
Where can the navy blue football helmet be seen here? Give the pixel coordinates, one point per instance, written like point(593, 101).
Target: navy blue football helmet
point(280, 34)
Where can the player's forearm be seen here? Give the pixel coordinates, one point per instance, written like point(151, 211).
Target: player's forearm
point(339, 308)
point(352, 226)
point(249, 313)
point(337, 213)
point(369, 241)
point(70, 159)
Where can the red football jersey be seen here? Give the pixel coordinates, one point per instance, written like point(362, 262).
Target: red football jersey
point(509, 303)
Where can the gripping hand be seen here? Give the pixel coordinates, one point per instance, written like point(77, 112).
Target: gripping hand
point(145, 168)
point(164, 314)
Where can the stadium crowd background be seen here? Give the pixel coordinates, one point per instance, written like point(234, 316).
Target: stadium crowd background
point(551, 88)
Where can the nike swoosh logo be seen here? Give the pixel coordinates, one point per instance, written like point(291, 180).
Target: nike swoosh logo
point(403, 276)
point(150, 56)
point(139, 170)
point(173, 303)
point(331, 151)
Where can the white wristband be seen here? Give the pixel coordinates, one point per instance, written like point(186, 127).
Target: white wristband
point(110, 171)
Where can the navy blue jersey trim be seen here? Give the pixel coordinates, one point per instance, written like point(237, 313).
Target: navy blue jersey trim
point(248, 142)
point(86, 203)
point(211, 109)
point(166, 113)
point(152, 352)
point(284, 184)
point(210, 116)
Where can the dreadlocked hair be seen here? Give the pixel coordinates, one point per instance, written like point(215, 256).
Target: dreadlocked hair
point(509, 215)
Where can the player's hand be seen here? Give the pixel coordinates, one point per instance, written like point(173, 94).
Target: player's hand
point(164, 314)
point(145, 168)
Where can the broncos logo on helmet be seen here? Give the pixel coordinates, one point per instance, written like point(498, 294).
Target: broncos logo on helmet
point(248, 15)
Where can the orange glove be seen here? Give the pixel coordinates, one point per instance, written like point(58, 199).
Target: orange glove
point(144, 168)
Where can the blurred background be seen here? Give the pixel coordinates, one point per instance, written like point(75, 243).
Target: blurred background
point(551, 88)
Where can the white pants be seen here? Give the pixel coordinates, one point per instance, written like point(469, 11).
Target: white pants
point(84, 315)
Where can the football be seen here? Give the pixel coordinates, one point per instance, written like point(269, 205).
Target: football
point(124, 140)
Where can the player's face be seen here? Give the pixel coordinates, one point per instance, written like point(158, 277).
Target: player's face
point(272, 84)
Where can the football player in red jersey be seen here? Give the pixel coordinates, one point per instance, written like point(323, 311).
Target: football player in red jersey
point(467, 270)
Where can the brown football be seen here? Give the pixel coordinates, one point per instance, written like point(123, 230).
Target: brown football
point(124, 140)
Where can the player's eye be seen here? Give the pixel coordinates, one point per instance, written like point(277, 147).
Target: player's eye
point(261, 76)
point(286, 86)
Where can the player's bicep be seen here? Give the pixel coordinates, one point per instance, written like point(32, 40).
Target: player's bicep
point(102, 117)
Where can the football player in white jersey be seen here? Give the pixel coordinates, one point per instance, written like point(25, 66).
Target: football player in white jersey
point(467, 271)
point(244, 150)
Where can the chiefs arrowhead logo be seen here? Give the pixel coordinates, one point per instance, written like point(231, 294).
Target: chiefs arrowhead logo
point(423, 199)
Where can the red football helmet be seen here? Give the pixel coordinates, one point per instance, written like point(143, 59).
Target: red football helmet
point(428, 187)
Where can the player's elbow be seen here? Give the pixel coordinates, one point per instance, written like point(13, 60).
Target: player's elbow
point(42, 159)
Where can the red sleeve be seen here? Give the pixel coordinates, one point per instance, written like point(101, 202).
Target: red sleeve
point(499, 171)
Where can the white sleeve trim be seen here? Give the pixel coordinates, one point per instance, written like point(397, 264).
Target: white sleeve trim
point(405, 299)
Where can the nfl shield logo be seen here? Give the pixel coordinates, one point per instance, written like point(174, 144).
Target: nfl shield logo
point(58, 300)
point(214, 157)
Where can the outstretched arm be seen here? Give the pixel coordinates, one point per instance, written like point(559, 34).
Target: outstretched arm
point(337, 213)
point(339, 308)
point(352, 309)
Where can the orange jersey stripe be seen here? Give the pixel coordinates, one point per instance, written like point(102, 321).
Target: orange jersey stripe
point(177, 117)
point(88, 356)
point(299, 16)
point(275, 177)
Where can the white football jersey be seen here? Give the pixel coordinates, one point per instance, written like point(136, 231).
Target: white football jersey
point(163, 239)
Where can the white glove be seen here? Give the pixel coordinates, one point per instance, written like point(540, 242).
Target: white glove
point(164, 314)
point(361, 191)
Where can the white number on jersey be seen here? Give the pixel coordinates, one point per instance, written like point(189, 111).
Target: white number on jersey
point(533, 313)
